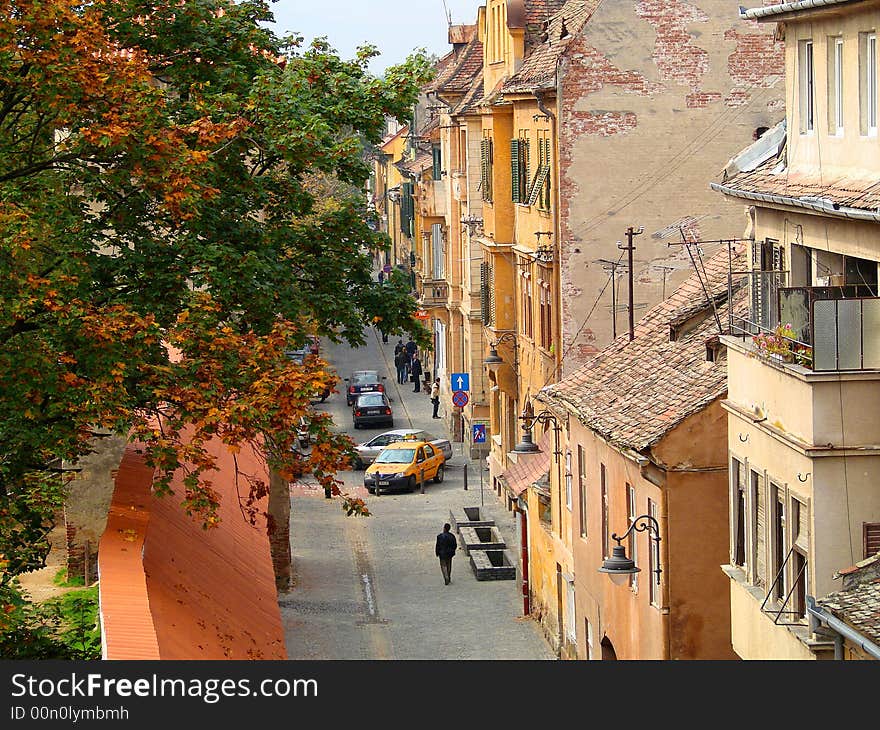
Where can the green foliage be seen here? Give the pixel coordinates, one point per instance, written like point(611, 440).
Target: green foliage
point(60, 579)
point(175, 175)
point(60, 628)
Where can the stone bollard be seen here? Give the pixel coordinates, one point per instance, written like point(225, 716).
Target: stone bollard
point(376, 483)
point(465, 477)
point(422, 480)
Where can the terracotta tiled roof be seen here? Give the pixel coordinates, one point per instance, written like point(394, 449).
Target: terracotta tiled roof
point(458, 73)
point(171, 590)
point(633, 393)
point(529, 469)
point(471, 99)
point(537, 13)
point(828, 190)
point(421, 162)
point(539, 67)
point(858, 604)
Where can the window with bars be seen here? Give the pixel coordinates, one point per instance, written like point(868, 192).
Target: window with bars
point(487, 293)
point(519, 168)
point(539, 191)
point(486, 168)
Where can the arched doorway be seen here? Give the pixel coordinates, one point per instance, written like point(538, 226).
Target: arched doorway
point(608, 649)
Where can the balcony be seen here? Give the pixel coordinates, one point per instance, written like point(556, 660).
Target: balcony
point(823, 329)
point(435, 293)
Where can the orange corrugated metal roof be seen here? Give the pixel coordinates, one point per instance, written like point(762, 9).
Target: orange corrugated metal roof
point(210, 594)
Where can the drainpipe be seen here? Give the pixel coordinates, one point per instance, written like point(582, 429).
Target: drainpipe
point(827, 619)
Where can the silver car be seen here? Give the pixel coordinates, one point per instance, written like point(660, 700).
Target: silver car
point(369, 450)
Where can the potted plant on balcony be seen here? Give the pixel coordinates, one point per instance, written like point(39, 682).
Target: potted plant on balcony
point(782, 345)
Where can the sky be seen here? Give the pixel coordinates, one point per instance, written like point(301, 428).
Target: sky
point(395, 27)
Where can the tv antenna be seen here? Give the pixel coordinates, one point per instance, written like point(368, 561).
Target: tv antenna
point(448, 13)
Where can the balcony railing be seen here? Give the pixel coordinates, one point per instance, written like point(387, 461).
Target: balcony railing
point(832, 328)
point(435, 292)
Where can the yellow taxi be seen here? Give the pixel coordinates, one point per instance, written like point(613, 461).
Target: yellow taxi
point(403, 465)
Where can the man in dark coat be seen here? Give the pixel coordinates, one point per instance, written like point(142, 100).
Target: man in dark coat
point(445, 549)
point(411, 348)
point(415, 373)
point(401, 363)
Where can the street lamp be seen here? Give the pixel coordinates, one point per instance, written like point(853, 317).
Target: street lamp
point(529, 420)
point(494, 361)
point(619, 567)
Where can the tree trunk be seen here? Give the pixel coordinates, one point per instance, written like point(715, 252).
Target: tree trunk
point(279, 531)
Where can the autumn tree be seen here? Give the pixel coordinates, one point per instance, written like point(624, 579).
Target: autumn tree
point(162, 242)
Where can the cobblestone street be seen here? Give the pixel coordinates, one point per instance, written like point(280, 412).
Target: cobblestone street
point(371, 588)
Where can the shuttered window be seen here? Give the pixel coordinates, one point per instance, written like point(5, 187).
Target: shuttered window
point(436, 162)
point(487, 293)
point(407, 209)
point(486, 168)
point(519, 169)
point(871, 534)
point(539, 190)
point(800, 519)
point(760, 523)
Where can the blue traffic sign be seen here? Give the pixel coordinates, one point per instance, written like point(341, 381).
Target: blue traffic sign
point(461, 381)
point(460, 398)
point(479, 433)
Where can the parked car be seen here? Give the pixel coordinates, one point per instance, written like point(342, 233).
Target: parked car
point(369, 450)
point(372, 409)
point(403, 465)
point(363, 381)
point(311, 347)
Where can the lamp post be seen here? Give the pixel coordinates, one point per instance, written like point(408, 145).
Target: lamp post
point(494, 361)
point(619, 567)
point(529, 420)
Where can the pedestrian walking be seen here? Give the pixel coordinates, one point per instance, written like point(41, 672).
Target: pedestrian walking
point(400, 362)
point(398, 348)
point(435, 397)
point(415, 373)
point(445, 549)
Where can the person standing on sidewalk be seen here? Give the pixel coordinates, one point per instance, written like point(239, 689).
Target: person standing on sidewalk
point(400, 361)
point(435, 397)
point(445, 549)
point(415, 372)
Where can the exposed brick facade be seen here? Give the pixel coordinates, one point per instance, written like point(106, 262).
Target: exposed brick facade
point(655, 96)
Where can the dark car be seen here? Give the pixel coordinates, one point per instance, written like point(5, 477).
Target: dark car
point(363, 381)
point(372, 409)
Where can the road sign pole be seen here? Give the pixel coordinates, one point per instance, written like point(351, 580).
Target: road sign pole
point(465, 476)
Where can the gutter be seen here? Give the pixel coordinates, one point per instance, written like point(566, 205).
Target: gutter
point(822, 616)
point(821, 205)
point(791, 7)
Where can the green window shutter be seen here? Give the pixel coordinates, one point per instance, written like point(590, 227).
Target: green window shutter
point(437, 162)
point(515, 170)
point(489, 169)
point(524, 171)
point(484, 168)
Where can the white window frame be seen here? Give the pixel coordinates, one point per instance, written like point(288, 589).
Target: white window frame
point(835, 86)
point(806, 86)
point(868, 83)
point(633, 536)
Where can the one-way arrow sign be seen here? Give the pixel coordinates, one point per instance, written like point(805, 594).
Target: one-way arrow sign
point(461, 381)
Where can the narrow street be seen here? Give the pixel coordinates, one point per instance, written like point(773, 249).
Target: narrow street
point(371, 588)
